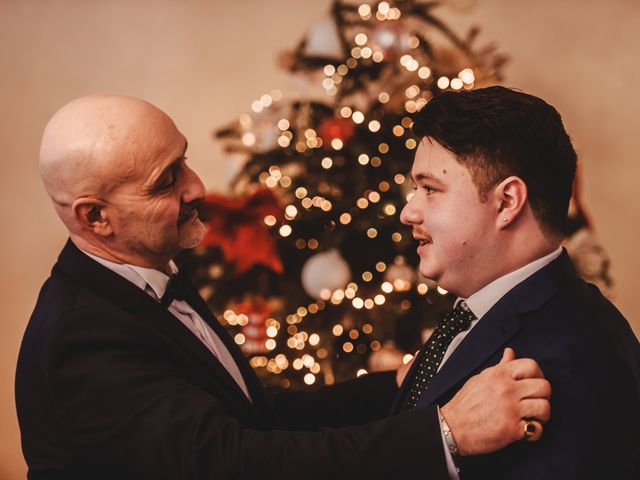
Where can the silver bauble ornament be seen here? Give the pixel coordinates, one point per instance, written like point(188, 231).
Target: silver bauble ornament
point(400, 274)
point(325, 271)
point(392, 38)
point(323, 40)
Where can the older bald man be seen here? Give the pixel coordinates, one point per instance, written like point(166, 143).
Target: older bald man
point(121, 376)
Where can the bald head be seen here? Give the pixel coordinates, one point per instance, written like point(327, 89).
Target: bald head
point(91, 145)
point(116, 170)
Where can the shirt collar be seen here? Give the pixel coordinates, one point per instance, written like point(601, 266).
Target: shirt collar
point(141, 277)
point(485, 298)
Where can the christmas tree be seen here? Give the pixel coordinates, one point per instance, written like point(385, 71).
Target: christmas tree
point(307, 264)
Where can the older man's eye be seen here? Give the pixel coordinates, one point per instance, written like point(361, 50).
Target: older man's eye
point(170, 178)
point(168, 182)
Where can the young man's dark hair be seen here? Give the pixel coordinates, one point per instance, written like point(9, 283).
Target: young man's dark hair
point(496, 132)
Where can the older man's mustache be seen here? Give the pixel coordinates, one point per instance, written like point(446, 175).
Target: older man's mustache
point(186, 210)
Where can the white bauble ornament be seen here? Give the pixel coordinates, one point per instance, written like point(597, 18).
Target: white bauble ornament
point(326, 270)
point(266, 135)
point(393, 38)
point(323, 40)
point(400, 274)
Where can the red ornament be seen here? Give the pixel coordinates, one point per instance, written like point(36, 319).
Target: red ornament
point(340, 128)
point(255, 331)
point(236, 225)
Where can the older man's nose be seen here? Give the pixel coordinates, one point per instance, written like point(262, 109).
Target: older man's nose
point(194, 188)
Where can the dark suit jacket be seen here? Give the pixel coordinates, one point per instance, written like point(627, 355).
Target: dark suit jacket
point(587, 351)
point(110, 385)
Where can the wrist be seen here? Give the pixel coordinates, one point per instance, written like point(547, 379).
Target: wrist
point(449, 439)
point(456, 432)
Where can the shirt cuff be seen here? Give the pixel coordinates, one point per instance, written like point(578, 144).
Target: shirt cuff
point(451, 466)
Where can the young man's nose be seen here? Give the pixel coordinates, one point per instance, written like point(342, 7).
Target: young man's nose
point(409, 214)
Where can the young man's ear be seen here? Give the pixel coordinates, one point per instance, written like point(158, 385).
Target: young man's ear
point(511, 197)
point(90, 213)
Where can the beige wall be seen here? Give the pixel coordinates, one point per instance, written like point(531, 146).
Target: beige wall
point(205, 61)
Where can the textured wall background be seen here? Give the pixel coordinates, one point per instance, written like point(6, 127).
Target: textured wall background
point(203, 62)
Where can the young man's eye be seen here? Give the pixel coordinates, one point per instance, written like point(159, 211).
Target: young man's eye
point(428, 189)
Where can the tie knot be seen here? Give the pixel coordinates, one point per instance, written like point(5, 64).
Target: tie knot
point(459, 318)
point(432, 353)
point(178, 288)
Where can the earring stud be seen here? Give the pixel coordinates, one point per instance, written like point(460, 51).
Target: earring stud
point(504, 219)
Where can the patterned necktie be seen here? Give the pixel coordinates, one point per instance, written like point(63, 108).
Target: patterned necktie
point(433, 351)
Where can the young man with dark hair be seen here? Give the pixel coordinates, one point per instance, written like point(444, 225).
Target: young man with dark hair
point(493, 173)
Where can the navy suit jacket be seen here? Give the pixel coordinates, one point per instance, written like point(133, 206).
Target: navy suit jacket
point(110, 385)
point(587, 351)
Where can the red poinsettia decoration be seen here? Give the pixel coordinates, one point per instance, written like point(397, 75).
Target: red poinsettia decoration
point(237, 226)
point(340, 128)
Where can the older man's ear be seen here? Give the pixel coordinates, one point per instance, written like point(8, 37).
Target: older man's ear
point(91, 215)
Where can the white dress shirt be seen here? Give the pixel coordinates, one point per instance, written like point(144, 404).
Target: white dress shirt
point(480, 303)
point(154, 283)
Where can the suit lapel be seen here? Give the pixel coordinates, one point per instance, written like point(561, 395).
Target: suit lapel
point(401, 397)
point(499, 325)
point(488, 336)
point(117, 290)
point(256, 390)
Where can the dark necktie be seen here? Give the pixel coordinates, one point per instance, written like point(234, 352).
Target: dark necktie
point(178, 288)
point(433, 351)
